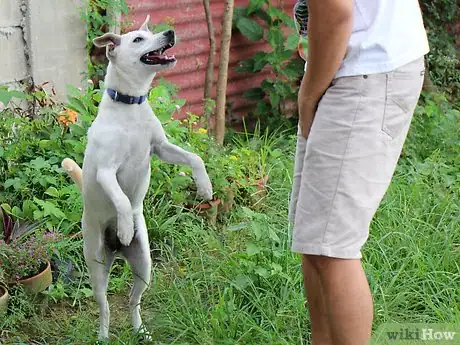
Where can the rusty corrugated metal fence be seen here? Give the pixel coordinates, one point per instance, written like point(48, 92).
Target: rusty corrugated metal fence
point(192, 49)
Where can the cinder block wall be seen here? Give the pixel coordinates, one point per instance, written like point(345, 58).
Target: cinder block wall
point(13, 59)
point(42, 41)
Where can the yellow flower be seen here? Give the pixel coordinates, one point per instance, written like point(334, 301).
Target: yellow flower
point(233, 158)
point(202, 130)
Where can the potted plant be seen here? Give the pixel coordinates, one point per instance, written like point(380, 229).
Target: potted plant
point(25, 253)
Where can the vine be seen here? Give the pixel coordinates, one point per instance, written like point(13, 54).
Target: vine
point(99, 18)
point(263, 21)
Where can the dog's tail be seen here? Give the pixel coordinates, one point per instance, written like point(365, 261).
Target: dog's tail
point(74, 171)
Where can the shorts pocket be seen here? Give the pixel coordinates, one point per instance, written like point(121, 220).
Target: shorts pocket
point(402, 94)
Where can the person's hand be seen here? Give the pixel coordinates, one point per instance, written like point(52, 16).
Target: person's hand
point(307, 110)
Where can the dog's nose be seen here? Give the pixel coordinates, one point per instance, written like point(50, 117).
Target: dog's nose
point(169, 34)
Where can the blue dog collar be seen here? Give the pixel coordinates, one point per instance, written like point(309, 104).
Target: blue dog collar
point(119, 97)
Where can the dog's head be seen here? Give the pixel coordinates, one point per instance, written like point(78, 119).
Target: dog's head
point(139, 50)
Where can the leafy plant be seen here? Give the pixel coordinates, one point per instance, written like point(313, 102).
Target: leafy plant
point(7, 95)
point(441, 17)
point(262, 21)
point(32, 183)
point(14, 230)
point(99, 17)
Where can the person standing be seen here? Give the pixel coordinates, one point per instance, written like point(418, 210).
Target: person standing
point(363, 78)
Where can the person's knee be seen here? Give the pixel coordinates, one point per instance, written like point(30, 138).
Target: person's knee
point(318, 262)
point(323, 264)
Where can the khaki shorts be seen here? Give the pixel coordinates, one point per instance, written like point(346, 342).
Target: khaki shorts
point(343, 170)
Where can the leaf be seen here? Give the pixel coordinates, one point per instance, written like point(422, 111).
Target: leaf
point(77, 105)
point(245, 66)
point(16, 211)
point(254, 94)
point(2, 151)
point(292, 42)
point(250, 29)
point(163, 116)
point(293, 70)
point(87, 292)
point(252, 249)
point(38, 214)
point(28, 207)
point(18, 94)
point(276, 267)
point(39, 163)
point(50, 209)
point(260, 60)
point(15, 183)
point(276, 153)
point(77, 130)
point(6, 207)
point(5, 97)
point(275, 38)
point(52, 180)
point(263, 15)
point(255, 5)
point(262, 108)
point(239, 226)
point(257, 230)
point(276, 13)
point(274, 99)
point(263, 272)
point(52, 191)
point(242, 281)
point(273, 236)
point(238, 13)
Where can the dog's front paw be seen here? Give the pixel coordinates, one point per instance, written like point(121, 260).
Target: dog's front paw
point(125, 231)
point(204, 187)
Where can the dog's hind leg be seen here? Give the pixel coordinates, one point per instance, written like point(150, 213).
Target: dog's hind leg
point(99, 260)
point(138, 257)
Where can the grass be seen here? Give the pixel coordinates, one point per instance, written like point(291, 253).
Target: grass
point(238, 282)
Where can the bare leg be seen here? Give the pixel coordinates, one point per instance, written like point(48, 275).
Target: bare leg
point(348, 299)
point(320, 328)
point(138, 256)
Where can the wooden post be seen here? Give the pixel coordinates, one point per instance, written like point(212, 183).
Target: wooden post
point(223, 71)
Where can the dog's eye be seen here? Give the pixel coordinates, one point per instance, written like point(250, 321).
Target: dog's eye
point(138, 39)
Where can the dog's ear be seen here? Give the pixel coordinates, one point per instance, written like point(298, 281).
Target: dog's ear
point(107, 40)
point(145, 25)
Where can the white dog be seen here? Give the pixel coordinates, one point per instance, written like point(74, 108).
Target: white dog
point(116, 167)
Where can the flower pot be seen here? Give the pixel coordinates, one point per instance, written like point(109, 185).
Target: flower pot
point(4, 298)
point(38, 282)
point(207, 209)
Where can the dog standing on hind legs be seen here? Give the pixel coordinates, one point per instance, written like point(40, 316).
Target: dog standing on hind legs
point(116, 167)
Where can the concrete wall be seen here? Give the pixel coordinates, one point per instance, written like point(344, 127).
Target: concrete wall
point(13, 60)
point(42, 41)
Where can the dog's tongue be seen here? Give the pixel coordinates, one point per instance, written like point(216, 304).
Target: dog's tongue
point(155, 57)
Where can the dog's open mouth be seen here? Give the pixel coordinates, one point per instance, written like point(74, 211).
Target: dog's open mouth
point(158, 57)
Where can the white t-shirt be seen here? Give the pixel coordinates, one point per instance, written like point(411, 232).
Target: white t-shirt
point(386, 34)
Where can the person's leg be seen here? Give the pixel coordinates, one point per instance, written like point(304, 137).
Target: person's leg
point(348, 306)
point(316, 302)
point(351, 154)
